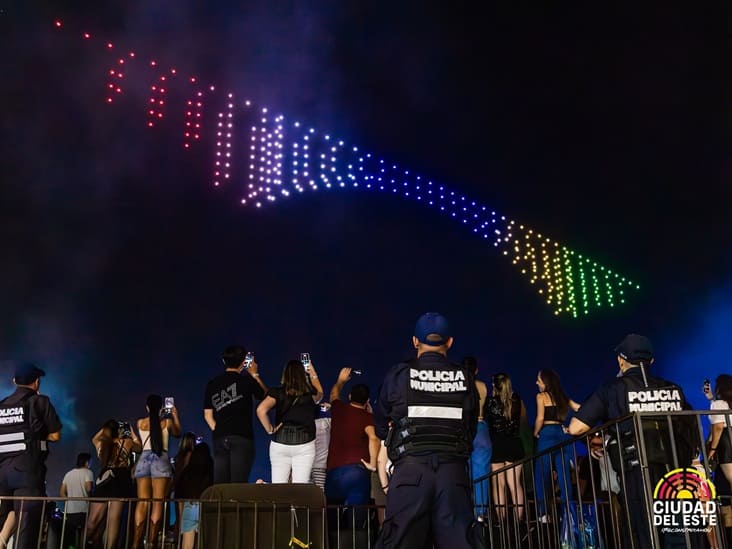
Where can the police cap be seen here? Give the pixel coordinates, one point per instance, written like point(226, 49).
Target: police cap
point(635, 348)
point(28, 371)
point(432, 324)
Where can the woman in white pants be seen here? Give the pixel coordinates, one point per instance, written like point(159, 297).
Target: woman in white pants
point(292, 450)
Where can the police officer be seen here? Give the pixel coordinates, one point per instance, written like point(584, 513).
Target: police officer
point(427, 414)
point(28, 421)
point(634, 390)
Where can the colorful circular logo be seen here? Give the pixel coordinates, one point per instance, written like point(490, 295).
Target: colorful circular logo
point(688, 483)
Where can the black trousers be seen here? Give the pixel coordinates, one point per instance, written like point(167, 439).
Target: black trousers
point(428, 504)
point(233, 458)
point(16, 479)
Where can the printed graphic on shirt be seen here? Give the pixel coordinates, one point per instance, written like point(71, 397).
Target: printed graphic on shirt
point(437, 381)
point(225, 397)
point(655, 400)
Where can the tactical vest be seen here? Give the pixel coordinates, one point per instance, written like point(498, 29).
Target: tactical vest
point(435, 413)
point(660, 397)
point(16, 436)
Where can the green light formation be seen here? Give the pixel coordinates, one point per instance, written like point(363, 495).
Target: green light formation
point(571, 283)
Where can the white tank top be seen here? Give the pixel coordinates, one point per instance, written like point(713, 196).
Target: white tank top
point(147, 444)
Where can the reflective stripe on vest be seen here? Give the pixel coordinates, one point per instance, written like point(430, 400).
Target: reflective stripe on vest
point(12, 442)
point(441, 412)
point(16, 436)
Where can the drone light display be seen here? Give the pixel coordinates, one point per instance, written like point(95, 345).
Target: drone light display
point(279, 159)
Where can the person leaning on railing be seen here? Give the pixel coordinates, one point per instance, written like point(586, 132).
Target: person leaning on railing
point(633, 391)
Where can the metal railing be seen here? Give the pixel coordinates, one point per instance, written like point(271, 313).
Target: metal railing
point(220, 524)
point(598, 489)
point(598, 493)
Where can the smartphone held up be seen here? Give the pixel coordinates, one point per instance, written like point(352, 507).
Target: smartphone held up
point(305, 360)
point(168, 405)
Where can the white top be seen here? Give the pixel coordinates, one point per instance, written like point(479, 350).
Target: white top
point(147, 444)
point(75, 488)
point(719, 418)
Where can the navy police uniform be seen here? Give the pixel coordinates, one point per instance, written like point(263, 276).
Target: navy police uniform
point(635, 391)
point(427, 413)
point(26, 420)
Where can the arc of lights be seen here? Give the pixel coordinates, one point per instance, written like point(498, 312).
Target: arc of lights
point(284, 159)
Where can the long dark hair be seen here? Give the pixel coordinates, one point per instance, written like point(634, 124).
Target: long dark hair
point(723, 388)
point(187, 443)
point(154, 405)
point(107, 448)
point(554, 387)
point(294, 380)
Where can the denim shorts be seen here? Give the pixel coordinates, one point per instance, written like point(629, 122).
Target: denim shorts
point(189, 517)
point(151, 465)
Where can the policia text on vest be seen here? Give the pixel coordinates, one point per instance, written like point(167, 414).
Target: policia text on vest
point(437, 381)
point(655, 400)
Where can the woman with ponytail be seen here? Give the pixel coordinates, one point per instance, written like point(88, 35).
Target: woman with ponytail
point(153, 471)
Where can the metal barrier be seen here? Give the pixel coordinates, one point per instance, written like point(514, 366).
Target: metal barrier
point(598, 493)
point(221, 524)
point(598, 489)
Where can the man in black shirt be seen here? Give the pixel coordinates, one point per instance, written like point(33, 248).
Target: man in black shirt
point(227, 409)
point(28, 421)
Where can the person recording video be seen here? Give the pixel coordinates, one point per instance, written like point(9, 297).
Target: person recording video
point(227, 409)
point(114, 443)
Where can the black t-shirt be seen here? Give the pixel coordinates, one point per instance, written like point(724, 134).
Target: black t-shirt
point(300, 411)
point(230, 396)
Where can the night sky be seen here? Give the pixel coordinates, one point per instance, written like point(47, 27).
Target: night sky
point(125, 272)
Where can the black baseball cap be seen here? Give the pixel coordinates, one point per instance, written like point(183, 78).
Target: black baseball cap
point(28, 371)
point(635, 348)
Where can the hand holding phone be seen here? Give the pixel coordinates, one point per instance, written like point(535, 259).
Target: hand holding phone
point(305, 360)
point(708, 389)
point(248, 360)
point(168, 405)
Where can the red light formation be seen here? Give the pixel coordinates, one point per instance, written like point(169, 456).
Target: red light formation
point(156, 103)
point(193, 116)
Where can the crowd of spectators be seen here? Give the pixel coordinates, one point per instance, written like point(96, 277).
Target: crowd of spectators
point(327, 439)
